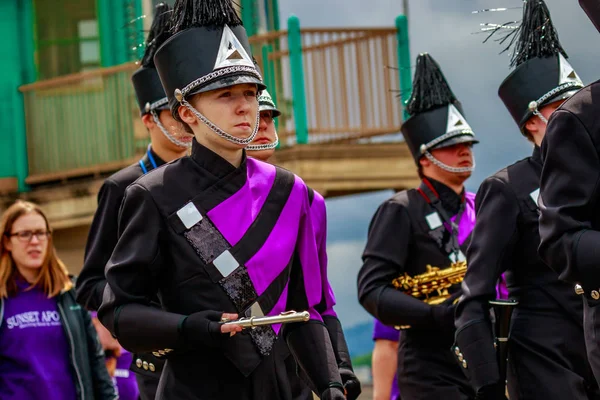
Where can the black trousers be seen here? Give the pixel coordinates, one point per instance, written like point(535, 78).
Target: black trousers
point(591, 322)
point(427, 369)
point(147, 386)
point(208, 375)
point(547, 357)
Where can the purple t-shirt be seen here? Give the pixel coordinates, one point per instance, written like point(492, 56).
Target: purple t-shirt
point(381, 331)
point(125, 379)
point(34, 350)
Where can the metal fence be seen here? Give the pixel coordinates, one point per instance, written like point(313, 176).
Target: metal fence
point(350, 82)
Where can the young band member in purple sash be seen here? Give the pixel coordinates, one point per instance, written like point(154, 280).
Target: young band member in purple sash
point(217, 232)
point(48, 345)
point(430, 225)
point(546, 350)
point(263, 148)
point(169, 141)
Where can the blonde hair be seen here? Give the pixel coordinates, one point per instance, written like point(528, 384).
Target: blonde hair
point(53, 277)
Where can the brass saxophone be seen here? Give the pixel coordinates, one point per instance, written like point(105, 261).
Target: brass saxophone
point(432, 286)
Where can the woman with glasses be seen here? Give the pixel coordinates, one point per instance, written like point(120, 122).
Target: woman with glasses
point(48, 345)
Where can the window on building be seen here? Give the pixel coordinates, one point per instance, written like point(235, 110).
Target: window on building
point(67, 37)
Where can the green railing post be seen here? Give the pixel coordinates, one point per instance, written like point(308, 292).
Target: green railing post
point(105, 30)
point(404, 61)
point(274, 18)
point(269, 75)
point(28, 74)
point(299, 96)
point(249, 17)
point(140, 35)
point(119, 31)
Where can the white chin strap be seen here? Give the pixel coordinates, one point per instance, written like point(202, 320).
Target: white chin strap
point(266, 146)
point(455, 170)
point(167, 134)
point(220, 131)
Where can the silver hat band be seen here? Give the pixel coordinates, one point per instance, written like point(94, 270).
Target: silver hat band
point(460, 132)
point(167, 134)
point(220, 131)
point(534, 105)
point(159, 103)
point(180, 94)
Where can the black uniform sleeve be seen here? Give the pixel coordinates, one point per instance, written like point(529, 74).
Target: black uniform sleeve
point(489, 254)
point(342, 355)
point(310, 344)
point(384, 259)
point(132, 277)
point(100, 244)
point(569, 200)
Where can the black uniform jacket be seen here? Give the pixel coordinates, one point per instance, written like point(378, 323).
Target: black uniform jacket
point(570, 191)
point(101, 242)
point(505, 240)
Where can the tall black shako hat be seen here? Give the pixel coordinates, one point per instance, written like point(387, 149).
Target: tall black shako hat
point(146, 82)
point(542, 74)
point(436, 118)
point(592, 9)
point(209, 50)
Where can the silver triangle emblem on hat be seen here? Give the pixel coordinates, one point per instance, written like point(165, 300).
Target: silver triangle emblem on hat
point(567, 73)
point(456, 121)
point(231, 51)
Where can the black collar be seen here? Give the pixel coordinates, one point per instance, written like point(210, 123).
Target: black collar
point(449, 198)
point(148, 164)
point(212, 162)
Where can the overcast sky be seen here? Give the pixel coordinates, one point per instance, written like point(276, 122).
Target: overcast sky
point(444, 28)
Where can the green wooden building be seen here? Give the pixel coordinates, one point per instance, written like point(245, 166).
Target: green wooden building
point(58, 61)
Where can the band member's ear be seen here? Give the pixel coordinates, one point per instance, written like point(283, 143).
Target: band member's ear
point(148, 121)
point(186, 115)
point(424, 162)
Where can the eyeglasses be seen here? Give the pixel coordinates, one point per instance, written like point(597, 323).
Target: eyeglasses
point(26, 236)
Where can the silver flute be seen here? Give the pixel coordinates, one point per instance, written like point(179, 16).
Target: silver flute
point(283, 318)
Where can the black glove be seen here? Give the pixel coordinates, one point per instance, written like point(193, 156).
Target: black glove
point(495, 391)
point(351, 383)
point(333, 394)
point(203, 329)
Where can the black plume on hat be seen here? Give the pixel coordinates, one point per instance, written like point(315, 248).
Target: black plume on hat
point(536, 36)
point(197, 13)
point(159, 33)
point(430, 88)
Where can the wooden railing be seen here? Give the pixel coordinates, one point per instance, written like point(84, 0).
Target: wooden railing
point(350, 82)
point(334, 85)
point(81, 124)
